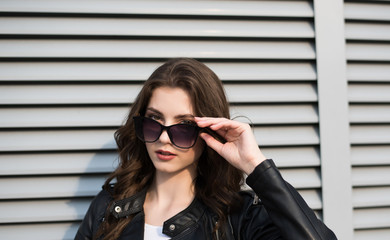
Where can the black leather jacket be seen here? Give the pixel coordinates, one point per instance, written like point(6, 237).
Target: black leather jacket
point(281, 214)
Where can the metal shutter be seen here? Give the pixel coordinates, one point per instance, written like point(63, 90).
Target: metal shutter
point(69, 70)
point(368, 55)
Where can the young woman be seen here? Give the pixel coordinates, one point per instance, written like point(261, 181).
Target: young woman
point(182, 165)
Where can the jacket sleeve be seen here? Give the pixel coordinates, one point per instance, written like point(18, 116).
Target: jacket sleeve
point(286, 208)
point(93, 217)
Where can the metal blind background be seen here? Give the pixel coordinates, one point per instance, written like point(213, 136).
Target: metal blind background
point(70, 69)
point(368, 70)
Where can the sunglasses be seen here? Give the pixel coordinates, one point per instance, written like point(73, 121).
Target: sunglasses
point(181, 135)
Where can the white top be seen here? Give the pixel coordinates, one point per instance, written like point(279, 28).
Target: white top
point(154, 233)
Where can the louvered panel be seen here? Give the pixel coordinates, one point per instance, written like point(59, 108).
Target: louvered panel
point(367, 31)
point(371, 218)
point(286, 135)
point(109, 116)
point(29, 211)
point(374, 134)
point(367, 72)
point(156, 27)
point(136, 71)
point(302, 178)
point(57, 163)
point(95, 139)
point(367, 234)
point(368, 51)
point(271, 114)
point(46, 140)
point(58, 117)
point(371, 197)
point(90, 116)
point(372, 113)
point(126, 93)
point(371, 176)
point(367, 11)
point(370, 155)
point(206, 8)
point(50, 187)
point(156, 49)
point(53, 231)
point(369, 93)
point(293, 156)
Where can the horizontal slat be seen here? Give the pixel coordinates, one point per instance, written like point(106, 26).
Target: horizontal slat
point(274, 114)
point(156, 49)
point(155, 27)
point(52, 231)
point(367, 31)
point(126, 93)
point(312, 198)
point(371, 197)
point(286, 135)
point(62, 116)
point(373, 113)
point(57, 163)
point(129, 71)
point(367, 11)
point(369, 93)
point(370, 155)
point(69, 94)
point(50, 187)
point(69, 210)
point(43, 210)
point(102, 162)
point(368, 234)
point(114, 116)
point(302, 178)
point(299, 92)
point(293, 156)
point(57, 140)
point(206, 8)
point(368, 51)
point(371, 176)
point(100, 139)
point(362, 72)
point(374, 134)
point(371, 218)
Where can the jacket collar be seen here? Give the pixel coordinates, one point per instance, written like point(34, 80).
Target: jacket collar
point(173, 226)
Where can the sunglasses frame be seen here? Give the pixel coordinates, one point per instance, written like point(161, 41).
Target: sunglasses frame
point(138, 125)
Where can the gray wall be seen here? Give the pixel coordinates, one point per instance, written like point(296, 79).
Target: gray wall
point(313, 76)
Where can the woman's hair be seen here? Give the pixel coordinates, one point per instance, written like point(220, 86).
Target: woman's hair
point(217, 183)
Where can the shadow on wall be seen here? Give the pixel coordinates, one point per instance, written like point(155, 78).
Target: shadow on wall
point(97, 165)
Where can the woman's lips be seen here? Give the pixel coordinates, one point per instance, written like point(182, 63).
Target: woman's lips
point(165, 155)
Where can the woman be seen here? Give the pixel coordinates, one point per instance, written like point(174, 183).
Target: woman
point(182, 162)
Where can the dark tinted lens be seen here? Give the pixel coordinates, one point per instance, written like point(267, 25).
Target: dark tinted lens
point(183, 135)
point(151, 130)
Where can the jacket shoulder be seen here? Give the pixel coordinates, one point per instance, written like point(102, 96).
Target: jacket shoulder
point(94, 216)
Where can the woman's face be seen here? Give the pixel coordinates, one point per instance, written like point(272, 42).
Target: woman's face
point(170, 106)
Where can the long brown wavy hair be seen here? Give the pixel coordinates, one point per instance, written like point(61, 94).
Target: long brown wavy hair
point(217, 183)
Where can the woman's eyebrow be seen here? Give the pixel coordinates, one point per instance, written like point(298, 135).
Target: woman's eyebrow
point(181, 116)
point(153, 110)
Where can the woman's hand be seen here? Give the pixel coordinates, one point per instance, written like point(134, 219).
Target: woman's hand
point(240, 150)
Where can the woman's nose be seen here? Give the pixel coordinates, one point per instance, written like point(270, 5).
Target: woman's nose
point(164, 137)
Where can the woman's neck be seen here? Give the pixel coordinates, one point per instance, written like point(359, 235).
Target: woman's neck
point(168, 195)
